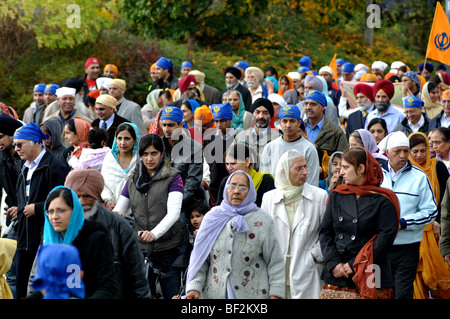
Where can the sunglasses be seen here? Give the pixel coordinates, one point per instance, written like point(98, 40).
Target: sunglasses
point(18, 145)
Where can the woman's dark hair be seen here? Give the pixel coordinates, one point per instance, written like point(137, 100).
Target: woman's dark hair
point(150, 140)
point(126, 127)
point(166, 94)
point(431, 86)
point(240, 152)
point(272, 70)
point(355, 156)
point(416, 139)
point(71, 126)
point(96, 136)
point(65, 193)
point(445, 132)
point(380, 121)
point(403, 68)
point(188, 104)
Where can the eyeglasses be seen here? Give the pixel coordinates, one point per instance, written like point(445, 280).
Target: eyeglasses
point(240, 188)
point(58, 211)
point(18, 145)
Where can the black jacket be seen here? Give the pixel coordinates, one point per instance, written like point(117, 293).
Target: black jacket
point(50, 173)
point(348, 224)
point(111, 132)
point(97, 259)
point(129, 262)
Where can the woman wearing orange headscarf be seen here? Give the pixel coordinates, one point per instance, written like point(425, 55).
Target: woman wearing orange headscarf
point(285, 84)
point(76, 131)
point(433, 277)
point(358, 229)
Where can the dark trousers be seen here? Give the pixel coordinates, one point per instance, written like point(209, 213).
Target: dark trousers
point(25, 259)
point(404, 261)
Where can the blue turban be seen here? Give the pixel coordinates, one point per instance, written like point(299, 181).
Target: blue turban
point(340, 62)
point(194, 105)
point(305, 61)
point(317, 96)
point(222, 111)
point(275, 82)
point(441, 66)
point(30, 132)
point(428, 66)
point(51, 88)
point(241, 64)
point(39, 88)
point(413, 76)
point(348, 67)
point(186, 64)
point(172, 113)
point(413, 101)
point(290, 111)
point(165, 64)
point(54, 275)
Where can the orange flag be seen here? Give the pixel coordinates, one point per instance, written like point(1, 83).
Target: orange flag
point(333, 66)
point(439, 41)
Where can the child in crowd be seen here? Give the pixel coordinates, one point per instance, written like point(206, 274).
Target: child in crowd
point(196, 217)
point(334, 179)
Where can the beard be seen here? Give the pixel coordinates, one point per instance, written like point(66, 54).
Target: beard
point(264, 124)
point(252, 84)
point(191, 95)
point(364, 106)
point(90, 211)
point(382, 106)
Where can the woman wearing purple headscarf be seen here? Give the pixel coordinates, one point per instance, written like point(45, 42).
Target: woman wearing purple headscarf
point(236, 252)
point(363, 138)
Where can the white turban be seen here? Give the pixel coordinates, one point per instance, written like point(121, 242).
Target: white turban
point(326, 69)
point(394, 139)
point(103, 82)
point(395, 65)
point(276, 98)
point(65, 91)
point(294, 75)
point(361, 67)
point(379, 65)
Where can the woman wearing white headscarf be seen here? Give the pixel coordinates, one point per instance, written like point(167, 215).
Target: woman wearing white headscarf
point(236, 253)
point(297, 208)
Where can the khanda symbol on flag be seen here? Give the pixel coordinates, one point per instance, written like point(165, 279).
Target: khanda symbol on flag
point(441, 41)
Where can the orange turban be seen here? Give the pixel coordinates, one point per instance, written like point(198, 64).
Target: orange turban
point(367, 76)
point(203, 114)
point(446, 94)
point(111, 67)
point(153, 68)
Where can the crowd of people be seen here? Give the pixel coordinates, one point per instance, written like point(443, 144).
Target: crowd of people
point(311, 184)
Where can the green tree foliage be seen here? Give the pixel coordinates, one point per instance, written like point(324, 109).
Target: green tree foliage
point(207, 20)
point(58, 23)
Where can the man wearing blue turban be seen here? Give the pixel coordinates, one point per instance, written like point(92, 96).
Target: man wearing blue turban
point(291, 125)
point(325, 134)
point(216, 144)
point(41, 172)
point(185, 154)
point(165, 76)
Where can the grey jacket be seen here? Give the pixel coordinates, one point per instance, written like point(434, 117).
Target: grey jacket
point(252, 261)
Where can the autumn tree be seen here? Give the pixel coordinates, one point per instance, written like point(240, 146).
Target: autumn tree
point(192, 20)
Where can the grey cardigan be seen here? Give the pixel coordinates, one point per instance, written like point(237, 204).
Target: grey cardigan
point(252, 262)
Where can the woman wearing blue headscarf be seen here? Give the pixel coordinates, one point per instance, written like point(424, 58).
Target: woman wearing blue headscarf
point(119, 163)
point(65, 224)
point(236, 252)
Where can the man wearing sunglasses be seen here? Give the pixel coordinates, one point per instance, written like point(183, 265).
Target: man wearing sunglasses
point(40, 173)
